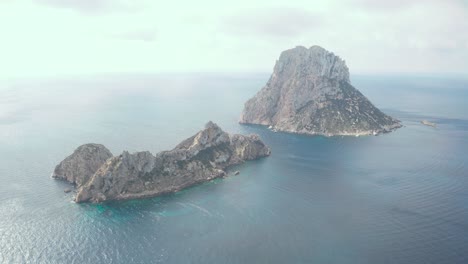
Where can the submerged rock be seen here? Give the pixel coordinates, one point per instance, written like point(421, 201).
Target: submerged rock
point(202, 157)
point(310, 92)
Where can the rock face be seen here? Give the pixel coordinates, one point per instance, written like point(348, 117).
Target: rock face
point(199, 158)
point(310, 92)
point(82, 164)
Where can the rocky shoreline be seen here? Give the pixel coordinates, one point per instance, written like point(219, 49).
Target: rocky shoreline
point(384, 130)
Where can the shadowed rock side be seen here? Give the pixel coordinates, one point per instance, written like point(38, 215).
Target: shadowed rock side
point(199, 158)
point(310, 92)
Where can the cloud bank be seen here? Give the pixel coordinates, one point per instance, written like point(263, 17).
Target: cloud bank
point(56, 37)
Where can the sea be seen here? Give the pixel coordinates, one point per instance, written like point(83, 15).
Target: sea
point(400, 197)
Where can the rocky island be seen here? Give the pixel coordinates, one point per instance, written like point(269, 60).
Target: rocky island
point(310, 92)
point(100, 177)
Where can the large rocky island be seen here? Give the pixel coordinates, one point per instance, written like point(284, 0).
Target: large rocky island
point(100, 177)
point(310, 92)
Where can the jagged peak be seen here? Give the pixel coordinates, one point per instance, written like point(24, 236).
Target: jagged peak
point(315, 61)
point(211, 135)
point(314, 48)
point(211, 124)
point(89, 146)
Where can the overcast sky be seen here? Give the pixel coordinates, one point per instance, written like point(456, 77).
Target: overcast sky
point(59, 37)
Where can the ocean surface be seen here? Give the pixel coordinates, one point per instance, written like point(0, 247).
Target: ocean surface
point(395, 198)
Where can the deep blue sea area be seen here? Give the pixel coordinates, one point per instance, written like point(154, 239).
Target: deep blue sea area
point(395, 198)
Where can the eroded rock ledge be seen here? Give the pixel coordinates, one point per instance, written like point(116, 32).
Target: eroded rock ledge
point(310, 92)
point(100, 177)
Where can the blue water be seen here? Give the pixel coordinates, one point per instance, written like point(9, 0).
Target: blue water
point(396, 198)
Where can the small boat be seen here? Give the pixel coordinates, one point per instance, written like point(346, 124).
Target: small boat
point(427, 123)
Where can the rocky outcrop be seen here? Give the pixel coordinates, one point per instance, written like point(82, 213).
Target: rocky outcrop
point(82, 164)
point(202, 157)
point(310, 92)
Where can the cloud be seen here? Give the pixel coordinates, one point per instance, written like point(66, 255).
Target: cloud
point(95, 7)
point(398, 5)
point(148, 35)
point(81, 36)
point(385, 5)
point(285, 22)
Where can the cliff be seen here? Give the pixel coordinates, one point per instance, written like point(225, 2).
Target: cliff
point(80, 166)
point(200, 158)
point(310, 92)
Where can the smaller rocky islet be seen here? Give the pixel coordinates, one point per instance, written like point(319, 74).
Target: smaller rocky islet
point(99, 176)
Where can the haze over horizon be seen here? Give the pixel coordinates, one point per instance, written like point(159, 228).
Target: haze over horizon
point(62, 37)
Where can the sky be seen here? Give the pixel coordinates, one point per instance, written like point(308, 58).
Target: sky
point(67, 37)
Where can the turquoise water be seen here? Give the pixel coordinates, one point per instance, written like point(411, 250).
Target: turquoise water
point(396, 198)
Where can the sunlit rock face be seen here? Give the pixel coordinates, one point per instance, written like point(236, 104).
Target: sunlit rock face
point(309, 92)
